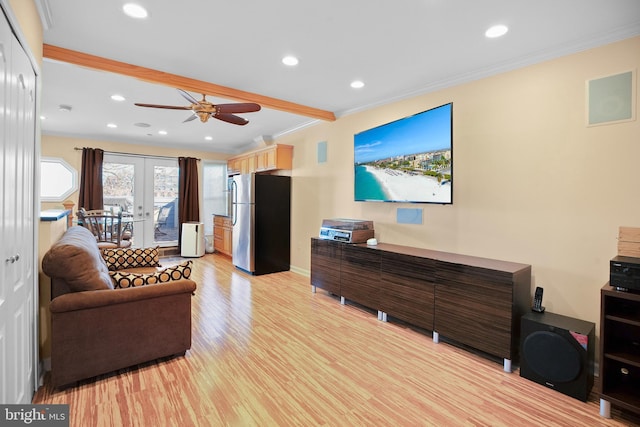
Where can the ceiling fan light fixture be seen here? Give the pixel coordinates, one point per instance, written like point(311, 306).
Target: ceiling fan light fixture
point(135, 11)
point(290, 61)
point(203, 115)
point(204, 109)
point(496, 31)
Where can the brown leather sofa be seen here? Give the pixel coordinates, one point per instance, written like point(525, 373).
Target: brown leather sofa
point(96, 329)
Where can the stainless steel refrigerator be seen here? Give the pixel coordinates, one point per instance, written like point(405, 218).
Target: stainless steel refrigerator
point(261, 217)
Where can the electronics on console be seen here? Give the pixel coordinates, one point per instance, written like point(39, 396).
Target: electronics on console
point(624, 273)
point(346, 230)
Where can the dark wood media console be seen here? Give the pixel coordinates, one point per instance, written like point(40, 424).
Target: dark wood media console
point(470, 300)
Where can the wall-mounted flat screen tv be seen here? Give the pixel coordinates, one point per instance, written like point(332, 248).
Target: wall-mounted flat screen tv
point(409, 160)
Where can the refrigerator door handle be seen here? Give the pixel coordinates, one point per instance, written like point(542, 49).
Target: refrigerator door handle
point(234, 202)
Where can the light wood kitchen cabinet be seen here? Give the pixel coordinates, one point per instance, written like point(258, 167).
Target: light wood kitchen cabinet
point(270, 158)
point(251, 163)
point(233, 166)
point(275, 157)
point(244, 165)
point(222, 234)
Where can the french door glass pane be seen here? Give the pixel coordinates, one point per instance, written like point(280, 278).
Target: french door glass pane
point(118, 179)
point(165, 203)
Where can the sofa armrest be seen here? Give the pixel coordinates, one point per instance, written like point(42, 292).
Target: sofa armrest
point(94, 299)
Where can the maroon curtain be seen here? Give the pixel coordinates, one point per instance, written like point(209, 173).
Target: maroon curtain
point(188, 198)
point(91, 179)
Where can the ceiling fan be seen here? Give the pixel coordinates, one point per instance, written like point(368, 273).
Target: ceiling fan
point(204, 109)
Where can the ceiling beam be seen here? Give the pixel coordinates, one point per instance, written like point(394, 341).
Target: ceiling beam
point(172, 80)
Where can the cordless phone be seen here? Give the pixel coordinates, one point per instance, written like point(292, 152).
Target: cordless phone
point(537, 300)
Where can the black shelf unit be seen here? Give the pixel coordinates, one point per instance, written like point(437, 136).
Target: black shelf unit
point(619, 349)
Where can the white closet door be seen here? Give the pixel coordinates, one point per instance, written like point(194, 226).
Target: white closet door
point(17, 270)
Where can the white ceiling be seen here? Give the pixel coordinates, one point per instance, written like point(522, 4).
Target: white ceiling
point(398, 48)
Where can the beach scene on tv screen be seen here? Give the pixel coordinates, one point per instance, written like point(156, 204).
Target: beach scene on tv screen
point(408, 160)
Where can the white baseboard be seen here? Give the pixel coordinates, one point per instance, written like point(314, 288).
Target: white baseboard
point(300, 271)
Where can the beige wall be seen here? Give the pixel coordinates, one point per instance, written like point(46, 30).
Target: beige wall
point(26, 13)
point(532, 183)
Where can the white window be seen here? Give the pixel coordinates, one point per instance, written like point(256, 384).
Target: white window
point(214, 193)
point(58, 180)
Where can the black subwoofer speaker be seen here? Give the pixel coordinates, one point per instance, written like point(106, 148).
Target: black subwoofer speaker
point(558, 352)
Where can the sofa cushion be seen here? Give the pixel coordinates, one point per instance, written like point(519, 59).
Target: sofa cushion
point(124, 258)
point(76, 259)
point(123, 279)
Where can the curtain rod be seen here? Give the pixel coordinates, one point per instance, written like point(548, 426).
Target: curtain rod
point(133, 154)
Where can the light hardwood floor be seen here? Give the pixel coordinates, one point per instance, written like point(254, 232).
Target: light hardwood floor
point(268, 352)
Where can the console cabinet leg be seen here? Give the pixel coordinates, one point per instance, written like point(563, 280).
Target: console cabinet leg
point(313, 289)
point(605, 408)
point(384, 316)
point(342, 301)
point(436, 337)
point(507, 365)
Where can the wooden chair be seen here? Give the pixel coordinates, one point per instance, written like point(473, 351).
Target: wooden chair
point(105, 226)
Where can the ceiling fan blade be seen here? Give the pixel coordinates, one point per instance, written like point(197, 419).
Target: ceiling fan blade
point(188, 97)
point(230, 118)
point(241, 107)
point(191, 117)
point(170, 107)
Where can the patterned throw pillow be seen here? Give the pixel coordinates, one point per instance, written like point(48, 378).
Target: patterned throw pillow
point(123, 258)
point(127, 280)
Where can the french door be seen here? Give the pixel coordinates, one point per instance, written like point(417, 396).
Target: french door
point(145, 190)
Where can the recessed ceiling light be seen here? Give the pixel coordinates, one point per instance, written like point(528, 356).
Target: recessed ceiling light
point(142, 125)
point(43, 117)
point(290, 60)
point(496, 31)
point(117, 97)
point(135, 11)
point(162, 132)
point(64, 108)
point(357, 84)
point(208, 138)
point(112, 125)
